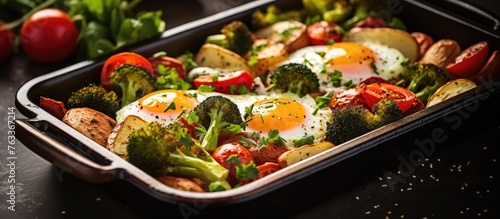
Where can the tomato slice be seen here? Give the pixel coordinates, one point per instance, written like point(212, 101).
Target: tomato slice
point(373, 93)
point(167, 62)
point(348, 96)
point(226, 82)
point(470, 60)
point(267, 168)
point(119, 59)
point(54, 107)
point(323, 33)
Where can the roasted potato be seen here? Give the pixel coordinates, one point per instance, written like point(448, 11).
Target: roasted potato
point(267, 54)
point(118, 138)
point(92, 123)
point(181, 183)
point(394, 38)
point(298, 154)
point(214, 56)
point(424, 42)
point(441, 53)
point(450, 89)
point(291, 33)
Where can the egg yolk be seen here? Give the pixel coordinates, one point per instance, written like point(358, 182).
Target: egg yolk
point(349, 54)
point(167, 102)
point(276, 113)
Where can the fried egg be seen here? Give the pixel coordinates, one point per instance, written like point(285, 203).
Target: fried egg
point(288, 113)
point(344, 63)
point(163, 106)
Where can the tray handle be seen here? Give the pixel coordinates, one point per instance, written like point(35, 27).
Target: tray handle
point(64, 157)
point(476, 11)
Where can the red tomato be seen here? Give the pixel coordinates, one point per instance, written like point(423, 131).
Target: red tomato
point(168, 63)
point(223, 82)
point(6, 43)
point(323, 32)
point(348, 96)
point(119, 59)
point(470, 60)
point(223, 152)
point(267, 168)
point(373, 93)
point(49, 36)
point(371, 22)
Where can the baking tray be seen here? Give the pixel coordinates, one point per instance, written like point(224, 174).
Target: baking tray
point(76, 154)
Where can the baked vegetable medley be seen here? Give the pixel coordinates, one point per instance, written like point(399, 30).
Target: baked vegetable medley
point(256, 98)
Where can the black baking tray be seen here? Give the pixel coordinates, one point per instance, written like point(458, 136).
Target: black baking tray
point(71, 151)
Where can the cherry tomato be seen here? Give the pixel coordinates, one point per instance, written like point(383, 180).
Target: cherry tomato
point(6, 43)
point(373, 93)
point(223, 82)
point(470, 60)
point(119, 59)
point(371, 22)
point(224, 151)
point(267, 168)
point(323, 33)
point(49, 36)
point(168, 63)
point(490, 70)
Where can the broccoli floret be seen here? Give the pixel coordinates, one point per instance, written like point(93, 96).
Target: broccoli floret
point(352, 121)
point(295, 78)
point(329, 10)
point(132, 82)
point(364, 9)
point(227, 107)
point(424, 79)
point(274, 15)
point(95, 97)
point(234, 36)
point(161, 151)
point(216, 113)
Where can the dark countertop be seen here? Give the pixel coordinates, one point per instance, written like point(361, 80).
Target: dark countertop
point(459, 179)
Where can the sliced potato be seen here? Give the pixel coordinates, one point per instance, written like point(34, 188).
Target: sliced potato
point(118, 138)
point(450, 89)
point(268, 54)
point(298, 154)
point(394, 38)
point(291, 33)
point(214, 56)
point(90, 122)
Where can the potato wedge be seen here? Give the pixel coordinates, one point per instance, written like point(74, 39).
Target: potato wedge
point(214, 56)
point(291, 33)
point(441, 53)
point(90, 122)
point(394, 38)
point(298, 154)
point(118, 138)
point(450, 89)
point(268, 54)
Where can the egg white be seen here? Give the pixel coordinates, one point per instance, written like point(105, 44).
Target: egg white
point(162, 116)
point(314, 125)
point(388, 64)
